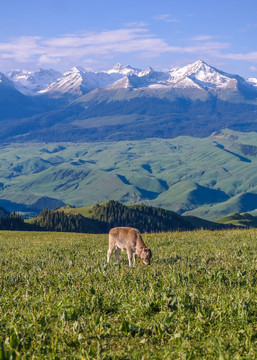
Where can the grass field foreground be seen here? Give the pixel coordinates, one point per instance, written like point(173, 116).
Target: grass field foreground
point(60, 300)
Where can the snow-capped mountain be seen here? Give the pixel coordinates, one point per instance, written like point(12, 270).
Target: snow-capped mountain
point(78, 81)
point(201, 75)
point(194, 81)
point(124, 103)
point(252, 81)
point(143, 79)
point(32, 82)
point(197, 76)
point(123, 70)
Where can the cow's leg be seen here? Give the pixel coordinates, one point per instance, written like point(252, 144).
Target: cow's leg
point(134, 258)
point(130, 256)
point(117, 254)
point(109, 253)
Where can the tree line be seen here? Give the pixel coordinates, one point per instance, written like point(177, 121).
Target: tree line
point(102, 218)
point(13, 221)
point(143, 217)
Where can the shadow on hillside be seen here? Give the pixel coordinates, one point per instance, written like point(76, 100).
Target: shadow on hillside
point(241, 158)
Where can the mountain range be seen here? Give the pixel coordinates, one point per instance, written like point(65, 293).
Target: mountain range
point(124, 103)
point(77, 81)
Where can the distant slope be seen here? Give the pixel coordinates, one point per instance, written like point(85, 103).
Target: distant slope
point(16, 106)
point(29, 205)
point(207, 178)
point(242, 220)
point(138, 118)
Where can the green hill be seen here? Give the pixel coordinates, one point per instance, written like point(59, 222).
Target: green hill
point(242, 220)
point(102, 217)
point(208, 178)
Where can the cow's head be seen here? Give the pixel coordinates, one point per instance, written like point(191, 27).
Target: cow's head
point(145, 255)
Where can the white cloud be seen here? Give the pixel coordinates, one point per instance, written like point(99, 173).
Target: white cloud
point(94, 47)
point(106, 43)
point(21, 48)
point(136, 24)
point(251, 56)
point(166, 17)
point(44, 59)
point(82, 45)
point(203, 38)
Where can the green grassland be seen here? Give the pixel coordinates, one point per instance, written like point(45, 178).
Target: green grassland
point(60, 300)
point(208, 177)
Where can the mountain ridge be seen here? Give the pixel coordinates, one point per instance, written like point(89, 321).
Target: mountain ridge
point(45, 81)
point(125, 103)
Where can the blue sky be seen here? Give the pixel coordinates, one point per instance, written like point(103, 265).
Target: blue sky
point(158, 33)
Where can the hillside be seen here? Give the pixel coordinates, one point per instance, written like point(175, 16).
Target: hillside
point(29, 204)
point(101, 218)
point(208, 178)
point(240, 220)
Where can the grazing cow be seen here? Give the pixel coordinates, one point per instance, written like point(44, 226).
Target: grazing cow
point(128, 238)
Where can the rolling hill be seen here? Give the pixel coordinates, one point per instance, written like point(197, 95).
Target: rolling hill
point(101, 218)
point(208, 178)
point(241, 220)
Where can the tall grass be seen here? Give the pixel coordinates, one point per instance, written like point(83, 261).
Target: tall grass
point(60, 300)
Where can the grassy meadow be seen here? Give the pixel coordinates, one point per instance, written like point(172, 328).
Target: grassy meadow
point(60, 300)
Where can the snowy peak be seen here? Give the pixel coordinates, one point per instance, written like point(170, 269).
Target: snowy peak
point(69, 82)
point(127, 82)
point(78, 81)
point(77, 69)
point(123, 83)
point(147, 72)
point(152, 77)
point(117, 68)
point(196, 67)
point(198, 76)
point(143, 79)
point(195, 81)
point(32, 82)
point(123, 70)
point(252, 81)
point(204, 75)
